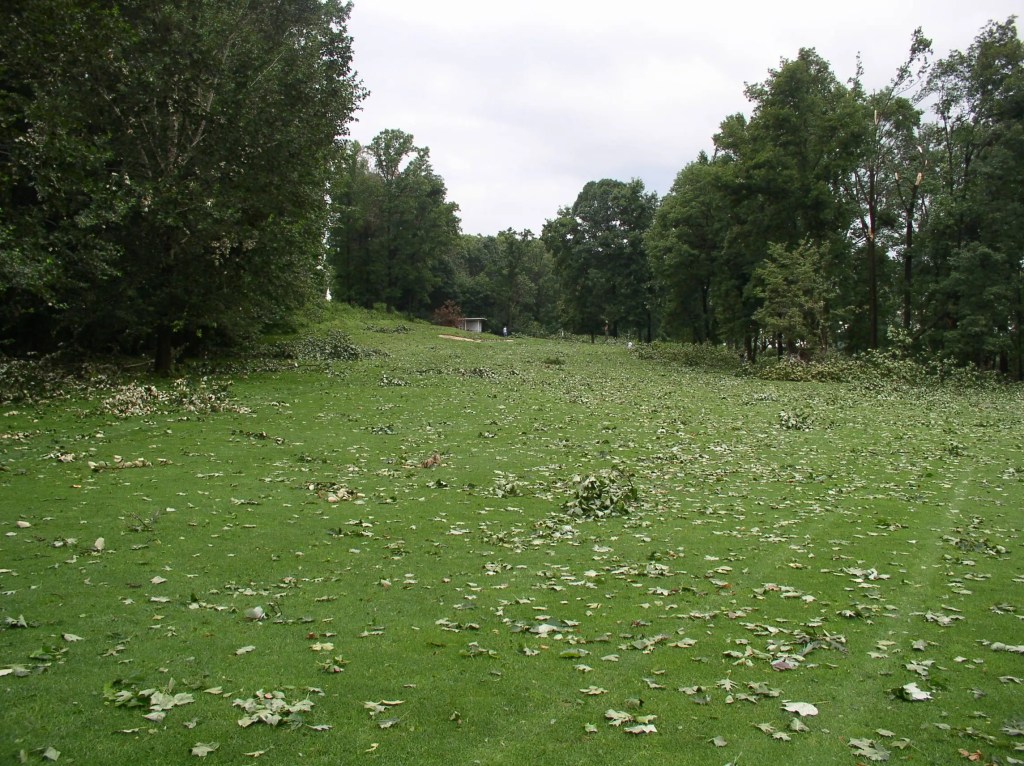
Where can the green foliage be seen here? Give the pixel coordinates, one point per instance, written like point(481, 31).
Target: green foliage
point(392, 226)
point(169, 191)
point(968, 283)
point(685, 246)
point(830, 213)
point(795, 420)
point(507, 278)
point(332, 346)
point(608, 492)
point(793, 290)
point(874, 370)
point(602, 267)
point(701, 356)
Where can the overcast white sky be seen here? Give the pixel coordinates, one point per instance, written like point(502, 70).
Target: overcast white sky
point(522, 102)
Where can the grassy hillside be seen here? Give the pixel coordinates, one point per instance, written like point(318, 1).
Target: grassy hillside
point(487, 551)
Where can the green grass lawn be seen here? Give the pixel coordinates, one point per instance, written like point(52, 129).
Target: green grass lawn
point(401, 522)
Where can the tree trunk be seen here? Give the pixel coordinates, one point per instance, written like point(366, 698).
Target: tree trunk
point(872, 264)
point(908, 256)
point(163, 362)
point(1020, 326)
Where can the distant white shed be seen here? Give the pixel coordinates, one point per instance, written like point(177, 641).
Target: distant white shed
point(472, 324)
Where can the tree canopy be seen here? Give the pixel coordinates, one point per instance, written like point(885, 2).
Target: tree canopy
point(601, 262)
point(164, 163)
point(393, 227)
point(177, 174)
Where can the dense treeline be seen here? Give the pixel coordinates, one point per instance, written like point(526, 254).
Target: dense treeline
point(829, 218)
point(175, 174)
point(838, 218)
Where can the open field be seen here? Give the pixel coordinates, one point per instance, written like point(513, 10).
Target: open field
point(547, 552)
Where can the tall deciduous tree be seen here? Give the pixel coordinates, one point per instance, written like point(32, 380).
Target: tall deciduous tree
point(507, 278)
point(789, 163)
point(972, 265)
point(188, 143)
point(685, 244)
point(393, 225)
point(886, 183)
point(598, 245)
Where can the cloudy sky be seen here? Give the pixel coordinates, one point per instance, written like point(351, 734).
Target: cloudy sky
point(522, 102)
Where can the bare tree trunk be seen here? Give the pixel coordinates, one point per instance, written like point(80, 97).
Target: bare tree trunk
point(163, 362)
point(908, 256)
point(872, 264)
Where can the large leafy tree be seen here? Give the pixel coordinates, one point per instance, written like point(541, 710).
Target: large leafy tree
point(393, 226)
point(56, 194)
point(517, 276)
point(886, 188)
point(602, 266)
point(787, 167)
point(178, 154)
point(971, 264)
point(685, 245)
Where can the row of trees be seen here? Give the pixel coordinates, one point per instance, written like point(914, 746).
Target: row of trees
point(163, 167)
point(833, 214)
point(830, 218)
point(176, 173)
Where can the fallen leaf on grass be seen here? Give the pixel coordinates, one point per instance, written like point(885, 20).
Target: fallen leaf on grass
point(800, 708)
point(999, 646)
point(645, 728)
point(617, 717)
point(1014, 728)
point(203, 749)
point(912, 693)
point(271, 708)
point(377, 708)
point(867, 748)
